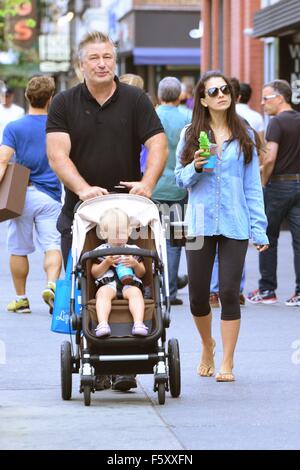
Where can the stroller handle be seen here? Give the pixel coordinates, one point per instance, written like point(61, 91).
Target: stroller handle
point(117, 189)
point(118, 251)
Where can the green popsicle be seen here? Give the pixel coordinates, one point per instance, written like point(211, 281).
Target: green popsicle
point(204, 144)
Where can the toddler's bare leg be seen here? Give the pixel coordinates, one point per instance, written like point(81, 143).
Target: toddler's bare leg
point(136, 303)
point(104, 297)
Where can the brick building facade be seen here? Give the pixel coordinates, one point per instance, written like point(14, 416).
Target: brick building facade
point(278, 24)
point(153, 39)
point(227, 44)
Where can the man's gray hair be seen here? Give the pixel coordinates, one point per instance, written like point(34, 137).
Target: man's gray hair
point(282, 87)
point(169, 89)
point(94, 37)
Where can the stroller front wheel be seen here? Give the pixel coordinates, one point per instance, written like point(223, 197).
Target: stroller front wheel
point(66, 370)
point(87, 395)
point(161, 393)
point(174, 367)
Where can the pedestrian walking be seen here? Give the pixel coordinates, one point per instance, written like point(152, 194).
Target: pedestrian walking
point(281, 179)
point(183, 108)
point(254, 118)
point(9, 111)
point(132, 79)
point(231, 201)
point(171, 198)
point(138, 81)
point(214, 299)
point(95, 132)
point(26, 137)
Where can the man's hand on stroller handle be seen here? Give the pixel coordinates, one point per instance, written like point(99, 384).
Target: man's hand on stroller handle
point(138, 187)
point(90, 192)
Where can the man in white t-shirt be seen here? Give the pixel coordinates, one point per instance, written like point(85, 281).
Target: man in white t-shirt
point(9, 111)
point(254, 118)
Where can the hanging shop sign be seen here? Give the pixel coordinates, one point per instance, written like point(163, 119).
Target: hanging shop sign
point(23, 24)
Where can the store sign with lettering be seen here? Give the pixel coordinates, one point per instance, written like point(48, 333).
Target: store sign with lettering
point(289, 65)
point(24, 24)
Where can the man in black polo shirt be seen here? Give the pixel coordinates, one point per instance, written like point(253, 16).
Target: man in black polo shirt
point(95, 131)
point(281, 178)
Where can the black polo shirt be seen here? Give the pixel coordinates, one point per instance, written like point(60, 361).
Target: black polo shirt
point(105, 140)
point(284, 129)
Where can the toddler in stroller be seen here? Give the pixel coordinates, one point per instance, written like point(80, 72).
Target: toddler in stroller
point(118, 276)
point(121, 353)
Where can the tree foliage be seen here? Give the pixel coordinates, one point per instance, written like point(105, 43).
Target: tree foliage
point(9, 7)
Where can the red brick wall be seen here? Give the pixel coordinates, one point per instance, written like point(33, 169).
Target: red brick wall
point(254, 69)
point(205, 41)
point(237, 40)
point(243, 55)
point(227, 36)
point(215, 35)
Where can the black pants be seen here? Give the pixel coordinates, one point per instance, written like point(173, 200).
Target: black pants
point(200, 262)
point(63, 225)
point(282, 200)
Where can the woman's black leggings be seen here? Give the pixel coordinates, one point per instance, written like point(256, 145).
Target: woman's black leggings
point(200, 262)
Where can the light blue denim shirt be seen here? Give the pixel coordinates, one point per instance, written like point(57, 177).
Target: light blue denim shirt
point(228, 201)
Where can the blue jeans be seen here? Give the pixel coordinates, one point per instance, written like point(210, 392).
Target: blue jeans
point(173, 252)
point(214, 283)
point(173, 255)
point(282, 200)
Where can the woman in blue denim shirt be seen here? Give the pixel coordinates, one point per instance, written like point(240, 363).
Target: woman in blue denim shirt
point(225, 209)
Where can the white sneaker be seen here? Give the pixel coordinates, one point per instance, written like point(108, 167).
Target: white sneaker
point(293, 301)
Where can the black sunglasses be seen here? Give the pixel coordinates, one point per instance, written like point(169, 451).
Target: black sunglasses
point(214, 91)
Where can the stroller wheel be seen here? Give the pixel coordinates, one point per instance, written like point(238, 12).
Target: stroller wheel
point(161, 393)
point(87, 395)
point(174, 367)
point(66, 370)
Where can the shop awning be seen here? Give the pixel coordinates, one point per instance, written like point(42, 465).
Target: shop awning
point(276, 19)
point(166, 56)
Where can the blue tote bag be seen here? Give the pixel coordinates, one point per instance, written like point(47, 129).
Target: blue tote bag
point(61, 308)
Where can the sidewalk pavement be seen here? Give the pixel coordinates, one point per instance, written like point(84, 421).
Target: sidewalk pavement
point(259, 411)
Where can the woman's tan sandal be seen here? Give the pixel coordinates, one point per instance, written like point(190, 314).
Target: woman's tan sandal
point(205, 369)
point(225, 377)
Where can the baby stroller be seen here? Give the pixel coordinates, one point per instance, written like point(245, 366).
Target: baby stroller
point(121, 353)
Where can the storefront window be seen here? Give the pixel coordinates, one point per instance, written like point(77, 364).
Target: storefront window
point(267, 3)
point(270, 65)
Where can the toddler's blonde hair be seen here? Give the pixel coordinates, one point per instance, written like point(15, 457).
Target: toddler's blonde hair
point(113, 219)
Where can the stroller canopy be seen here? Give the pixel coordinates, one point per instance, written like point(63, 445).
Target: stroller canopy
point(142, 212)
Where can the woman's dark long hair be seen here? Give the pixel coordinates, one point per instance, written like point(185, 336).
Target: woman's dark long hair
point(201, 122)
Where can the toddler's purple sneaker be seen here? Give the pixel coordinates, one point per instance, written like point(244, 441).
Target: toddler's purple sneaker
point(103, 329)
point(139, 329)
